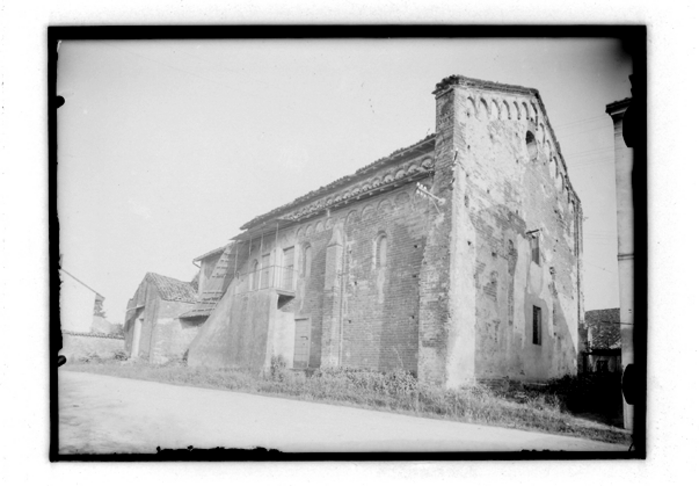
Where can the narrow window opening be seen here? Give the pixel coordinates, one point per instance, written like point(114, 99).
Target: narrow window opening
point(381, 252)
point(532, 148)
point(535, 249)
point(307, 261)
point(536, 320)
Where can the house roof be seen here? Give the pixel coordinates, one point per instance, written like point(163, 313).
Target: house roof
point(604, 328)
point(172, 289)
point(208, 254)
point(426, 145)
point(214, 287)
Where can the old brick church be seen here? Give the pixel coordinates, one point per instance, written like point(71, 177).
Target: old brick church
point(457, 258)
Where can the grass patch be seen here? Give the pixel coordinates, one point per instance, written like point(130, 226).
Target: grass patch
point(540, 410)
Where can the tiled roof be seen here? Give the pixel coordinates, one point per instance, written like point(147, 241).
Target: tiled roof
point(172, 289)
point(343, 181)
point(604, 328)
point(214, 287)
point(427, 143)
point(210, 253)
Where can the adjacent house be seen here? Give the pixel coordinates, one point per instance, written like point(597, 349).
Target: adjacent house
point(213, 278)
point(604, 341)
point(456, 258)
point(624, 133)
point(153, 330)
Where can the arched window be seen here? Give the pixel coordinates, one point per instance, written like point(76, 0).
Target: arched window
point(253, 276)
point(307, 261)
point(381, 245)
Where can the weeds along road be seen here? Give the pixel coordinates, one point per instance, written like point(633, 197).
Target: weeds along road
point(103, 414)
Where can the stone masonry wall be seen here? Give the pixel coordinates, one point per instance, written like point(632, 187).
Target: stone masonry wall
point(76, 346)
point(447, 297)
point(172, 336)
point(517, 190)
point(145, 306)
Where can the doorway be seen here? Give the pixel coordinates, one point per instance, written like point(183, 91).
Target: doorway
point(302, 343)
point(136, 338)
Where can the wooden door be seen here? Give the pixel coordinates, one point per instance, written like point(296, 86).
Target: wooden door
point(302, 343)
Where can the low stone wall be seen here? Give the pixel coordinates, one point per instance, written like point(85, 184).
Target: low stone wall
point(80, 345)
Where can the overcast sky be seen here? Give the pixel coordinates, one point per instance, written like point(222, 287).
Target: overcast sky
point(167, 147)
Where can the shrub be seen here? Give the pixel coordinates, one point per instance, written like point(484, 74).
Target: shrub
point(277, 368)
point(91, 358)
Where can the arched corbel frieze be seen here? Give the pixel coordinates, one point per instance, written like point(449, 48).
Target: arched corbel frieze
point(494, 110)
point(483, 112)
point(471, 110)
point(507, 115)
point(367, 210)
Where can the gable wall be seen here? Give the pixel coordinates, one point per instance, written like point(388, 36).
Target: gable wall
point(510, 193)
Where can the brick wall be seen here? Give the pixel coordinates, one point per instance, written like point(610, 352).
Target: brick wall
point(380, 322)
point(361, 315)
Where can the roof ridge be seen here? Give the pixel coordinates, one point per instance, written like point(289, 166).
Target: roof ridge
point(338, 182)
point(172, 289)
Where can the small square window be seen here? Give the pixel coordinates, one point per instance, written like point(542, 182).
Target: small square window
point(536, 326)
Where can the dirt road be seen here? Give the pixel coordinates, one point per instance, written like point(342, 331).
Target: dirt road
point(103, 414)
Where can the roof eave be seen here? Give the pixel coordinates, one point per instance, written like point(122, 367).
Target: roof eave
point(210, 253)
point(419, 148)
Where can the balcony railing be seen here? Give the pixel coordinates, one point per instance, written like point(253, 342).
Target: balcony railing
point(271, 277)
